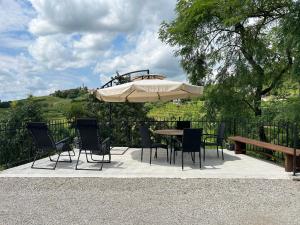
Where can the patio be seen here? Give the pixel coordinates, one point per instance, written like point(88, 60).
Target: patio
point(127, 164)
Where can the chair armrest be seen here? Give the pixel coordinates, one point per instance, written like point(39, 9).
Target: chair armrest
point(105, 140)
point(63, 141)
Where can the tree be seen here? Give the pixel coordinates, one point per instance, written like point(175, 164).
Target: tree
point(245, 41)
point(15, 142)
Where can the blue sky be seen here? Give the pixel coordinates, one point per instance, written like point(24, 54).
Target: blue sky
point(59, 44)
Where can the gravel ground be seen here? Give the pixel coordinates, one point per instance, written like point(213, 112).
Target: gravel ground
point(148, 201)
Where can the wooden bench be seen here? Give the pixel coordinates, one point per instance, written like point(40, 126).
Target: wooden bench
point(240, 148)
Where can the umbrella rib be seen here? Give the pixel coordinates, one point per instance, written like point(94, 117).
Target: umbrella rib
point(186, 91)
point(126, 98)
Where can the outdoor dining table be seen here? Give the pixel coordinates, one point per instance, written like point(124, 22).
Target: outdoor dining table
point(171, 133)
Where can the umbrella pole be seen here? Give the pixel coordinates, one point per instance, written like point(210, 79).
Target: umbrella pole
point(110, 123)
point(110, 111)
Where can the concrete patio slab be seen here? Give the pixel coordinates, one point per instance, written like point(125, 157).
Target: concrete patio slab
point(127, 164)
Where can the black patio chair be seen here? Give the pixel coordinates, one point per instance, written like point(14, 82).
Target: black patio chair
point(90, 143)
point(45, 145)
point(146, 142)
point(191, 142)
point(217, 140)
point(183, 124)
point(180, 125)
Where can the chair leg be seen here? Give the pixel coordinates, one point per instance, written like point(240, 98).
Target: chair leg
point(222, 153)
point(56, 161)
point(193, 156)
point(174, 156)
point(99, 161)
point(60, 153)
point(142, 154)
point(218, 151)
point(167, 154)
point(171, 151)
point(78, 159)
point(155, 156)
point(87, 156)
point(203, 153)
point(150, 155)
point(102, 163)
point(182, 161)
point(200, 157)
point(70, 156)
point(45, 168)
point(34, 159)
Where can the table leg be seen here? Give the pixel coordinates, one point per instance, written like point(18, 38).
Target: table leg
point(170, 150)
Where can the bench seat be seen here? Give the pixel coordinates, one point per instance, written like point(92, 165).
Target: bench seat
point(240, 148)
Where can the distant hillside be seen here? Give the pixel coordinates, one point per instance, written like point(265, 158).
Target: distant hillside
point(53, 107)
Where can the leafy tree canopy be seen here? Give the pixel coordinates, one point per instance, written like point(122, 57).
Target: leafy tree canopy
point(246, 47)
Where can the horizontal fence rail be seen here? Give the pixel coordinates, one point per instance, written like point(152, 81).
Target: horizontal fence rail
point(16, 144)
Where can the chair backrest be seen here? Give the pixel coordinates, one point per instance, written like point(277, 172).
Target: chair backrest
point(221, 133)
point(41, 135)
point(88, 134)
point(191, 141)
point(145, 136)
point(183, 124)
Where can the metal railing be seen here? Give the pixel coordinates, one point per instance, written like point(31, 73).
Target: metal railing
point(16, 145)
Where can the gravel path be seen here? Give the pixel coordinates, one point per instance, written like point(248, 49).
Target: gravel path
point(148, 201)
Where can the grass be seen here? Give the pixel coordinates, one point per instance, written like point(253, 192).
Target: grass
point(172, 110)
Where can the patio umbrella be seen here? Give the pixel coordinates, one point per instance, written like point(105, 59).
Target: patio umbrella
point(148, 90)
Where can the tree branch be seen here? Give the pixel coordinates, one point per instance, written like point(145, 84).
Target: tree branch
point(247, 54)
point(281, 73)
point(250, 106)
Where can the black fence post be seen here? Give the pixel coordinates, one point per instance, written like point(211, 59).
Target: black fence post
point(295, 143)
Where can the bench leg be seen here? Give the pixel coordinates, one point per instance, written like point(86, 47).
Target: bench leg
point(240, 148)
point(288, 162)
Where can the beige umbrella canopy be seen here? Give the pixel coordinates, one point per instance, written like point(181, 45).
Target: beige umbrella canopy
point(148, 90)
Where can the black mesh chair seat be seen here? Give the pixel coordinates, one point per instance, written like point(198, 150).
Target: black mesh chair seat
point(146, 142)
point(215, 140)
point(90, 142)
point(45, 145)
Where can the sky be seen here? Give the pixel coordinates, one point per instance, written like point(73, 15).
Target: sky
point(48, 45)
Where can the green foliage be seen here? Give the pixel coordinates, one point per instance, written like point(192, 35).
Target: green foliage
point(287, 110)
point(71, 93)
point(24, 112)
point(193, 109)
point(77, 110)
point(224, 103)
point(251, 46)
point(4, 105)
point(14, 139)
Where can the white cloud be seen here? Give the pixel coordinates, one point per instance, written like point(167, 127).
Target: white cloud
point(13, 16)
point(69, 16)
point(70, 35)
point(17, 82)
point(149, 53)
point(97, 23)
point(13, 42)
